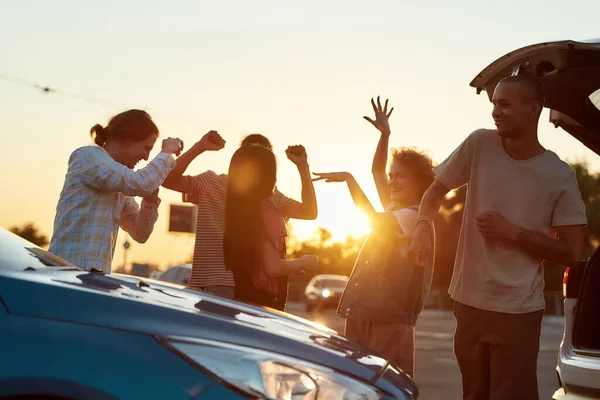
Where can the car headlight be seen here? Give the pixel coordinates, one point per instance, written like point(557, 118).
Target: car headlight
point(271, 376)
point(326, 293)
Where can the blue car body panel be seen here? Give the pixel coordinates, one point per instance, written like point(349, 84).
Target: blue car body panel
point(56, 355)
point(80, 334)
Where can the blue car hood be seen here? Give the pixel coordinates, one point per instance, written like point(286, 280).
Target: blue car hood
point(153, 308)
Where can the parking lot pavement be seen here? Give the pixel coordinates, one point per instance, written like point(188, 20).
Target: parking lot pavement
point(436, 371)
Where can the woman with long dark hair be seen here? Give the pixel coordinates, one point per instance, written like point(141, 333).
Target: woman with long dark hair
point(255, 231)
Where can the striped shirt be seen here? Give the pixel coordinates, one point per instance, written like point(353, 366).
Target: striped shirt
point(96, 200)
point(208, 191)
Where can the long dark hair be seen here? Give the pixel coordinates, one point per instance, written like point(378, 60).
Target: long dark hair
point(251, 180)
point(132, 125)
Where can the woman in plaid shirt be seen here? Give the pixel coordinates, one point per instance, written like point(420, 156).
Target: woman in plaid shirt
point(97, 196)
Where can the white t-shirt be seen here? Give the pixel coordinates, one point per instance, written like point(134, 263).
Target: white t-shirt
point(406, 217)
point(537, 194)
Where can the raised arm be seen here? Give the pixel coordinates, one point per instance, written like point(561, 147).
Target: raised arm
point(307, 209)
point(211, 141)
point(378, 169)
point(95, 168)
point(361, 201)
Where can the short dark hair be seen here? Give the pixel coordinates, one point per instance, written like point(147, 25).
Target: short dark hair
point(532, 88)
point(257, 138)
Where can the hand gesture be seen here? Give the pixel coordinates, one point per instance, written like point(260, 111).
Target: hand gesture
point(331, 176)
point(172, 146)
point(493, 225)
point(152, 198)
point(297, 155)
point(309, 262)
point(382, 116)
point(211, 141)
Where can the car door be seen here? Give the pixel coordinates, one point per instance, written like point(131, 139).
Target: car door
point(586, 331)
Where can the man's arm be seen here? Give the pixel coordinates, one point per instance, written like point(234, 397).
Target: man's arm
point(378, 169)
point(420, 248)
point(211, 141)
point(307, 209)
point(565, 249)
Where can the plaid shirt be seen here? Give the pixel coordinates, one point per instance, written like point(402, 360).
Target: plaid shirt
point(96, 200)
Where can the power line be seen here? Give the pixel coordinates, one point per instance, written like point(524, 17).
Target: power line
point(51, 90)
point(48, 89)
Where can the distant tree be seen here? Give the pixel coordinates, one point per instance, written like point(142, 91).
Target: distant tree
point(31, 233)
point(588, 187)
point(334, 257)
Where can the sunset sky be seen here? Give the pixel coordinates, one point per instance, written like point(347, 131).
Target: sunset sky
point(299, 72)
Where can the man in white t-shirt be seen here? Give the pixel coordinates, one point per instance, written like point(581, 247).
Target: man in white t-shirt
point(523, 206)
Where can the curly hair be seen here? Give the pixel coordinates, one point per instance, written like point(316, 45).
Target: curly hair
point(418, 164)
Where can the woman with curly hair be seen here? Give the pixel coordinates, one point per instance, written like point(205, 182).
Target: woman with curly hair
point(386, 293)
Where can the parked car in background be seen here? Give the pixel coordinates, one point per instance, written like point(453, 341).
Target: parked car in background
point(324, 291)
point(178, 274)
point(155, 274)
point(66, 333)
point(569, 72)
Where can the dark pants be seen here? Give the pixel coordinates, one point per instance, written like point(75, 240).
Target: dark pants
point(497, 353)
point(396, 342)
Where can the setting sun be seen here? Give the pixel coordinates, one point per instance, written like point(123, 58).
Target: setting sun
point(337, 212)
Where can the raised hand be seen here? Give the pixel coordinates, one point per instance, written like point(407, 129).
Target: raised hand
point(309, 262)
point(297, 155)
point(172, 146)
point(211, 141)
point(382, 116)
point(493, 225)
point(331, 176)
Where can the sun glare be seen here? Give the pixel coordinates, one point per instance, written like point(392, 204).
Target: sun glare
point(338, 220)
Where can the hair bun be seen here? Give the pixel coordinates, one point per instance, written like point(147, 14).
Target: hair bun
point(99, 134)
